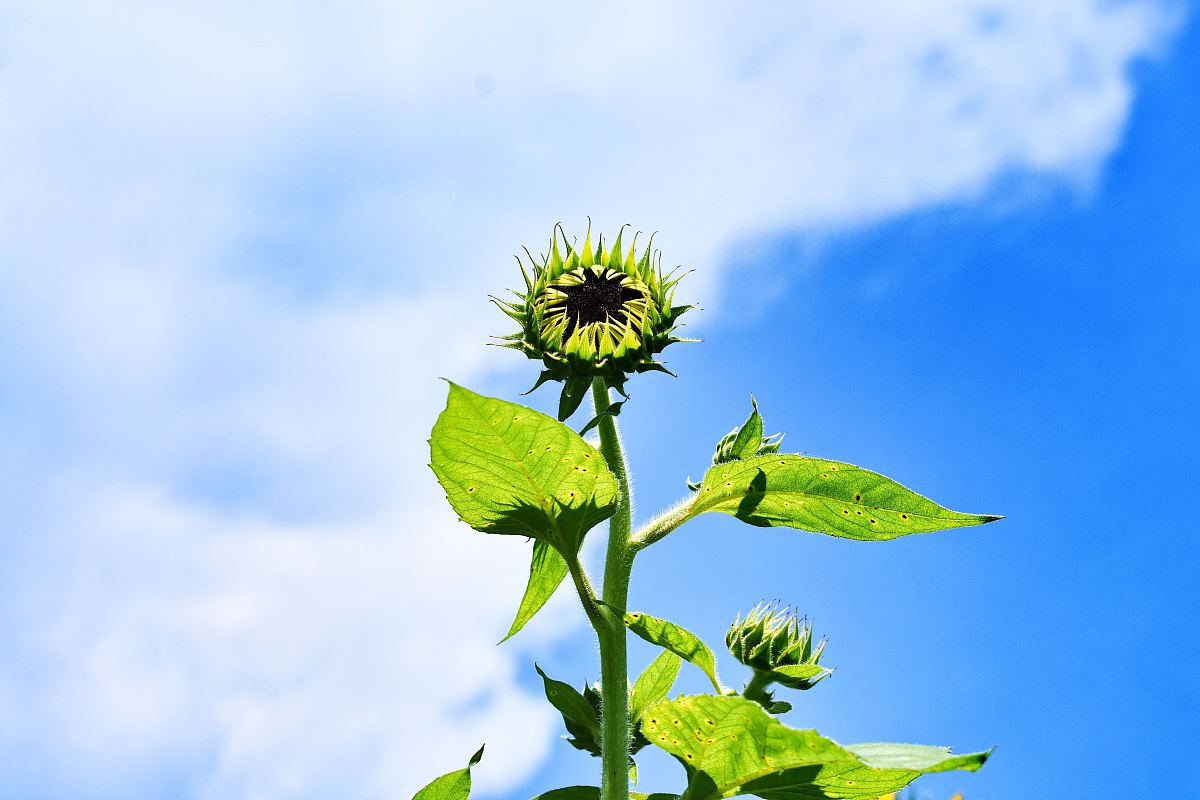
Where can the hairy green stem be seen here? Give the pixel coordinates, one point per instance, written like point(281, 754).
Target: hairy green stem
point(663, 524)
point(618, 563)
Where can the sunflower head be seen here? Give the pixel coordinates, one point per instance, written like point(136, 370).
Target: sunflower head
point(589, 312)
point(777, 644)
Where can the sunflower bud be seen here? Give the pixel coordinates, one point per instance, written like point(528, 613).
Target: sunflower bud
point(778, 646)
point(747, 440)
point(582, 734)
point(601, 312)
point(744, 442)
point(725, 447)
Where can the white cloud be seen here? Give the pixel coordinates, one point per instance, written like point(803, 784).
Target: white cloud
point(237, 245)
point(287, 657)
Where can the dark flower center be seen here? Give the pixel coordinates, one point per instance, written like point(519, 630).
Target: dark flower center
point(596, 299)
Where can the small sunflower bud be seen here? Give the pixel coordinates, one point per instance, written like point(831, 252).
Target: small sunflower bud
point(595, 312)
point(725, 451)
point(582, 734)
point(778, 646)
point(746, 440)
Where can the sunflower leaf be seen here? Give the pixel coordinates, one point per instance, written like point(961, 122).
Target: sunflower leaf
point(453, 785)
point(678, 640)
point(731, 746)
point(822, 496)
point(509, 469)
point(654, 683)
point(546, 573)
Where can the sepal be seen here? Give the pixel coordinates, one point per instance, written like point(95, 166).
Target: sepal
point(575, 388)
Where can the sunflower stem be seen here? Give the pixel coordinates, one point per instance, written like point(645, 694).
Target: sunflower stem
point(618, 564)
point(756, 687)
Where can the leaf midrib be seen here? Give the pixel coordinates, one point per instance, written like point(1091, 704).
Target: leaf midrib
point(704, 506)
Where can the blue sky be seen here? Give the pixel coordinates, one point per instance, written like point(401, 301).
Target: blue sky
point(1033, 355)
point(954, 242)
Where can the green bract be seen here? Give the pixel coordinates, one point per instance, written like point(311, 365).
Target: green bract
point(593, 313)
point(593, 318)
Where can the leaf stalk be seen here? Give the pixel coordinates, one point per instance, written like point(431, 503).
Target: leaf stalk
point(663, 524)
point(587, 595)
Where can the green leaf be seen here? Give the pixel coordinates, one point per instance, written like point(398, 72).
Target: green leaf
point(579, 716)
point(571, 793)
point(654, 683)
point(509, 469)
point(593, 793)
point(453, 785)
point(731, 746)
point(679, 641)
point(824, 497)
point(546, 572)
point(920, 757)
